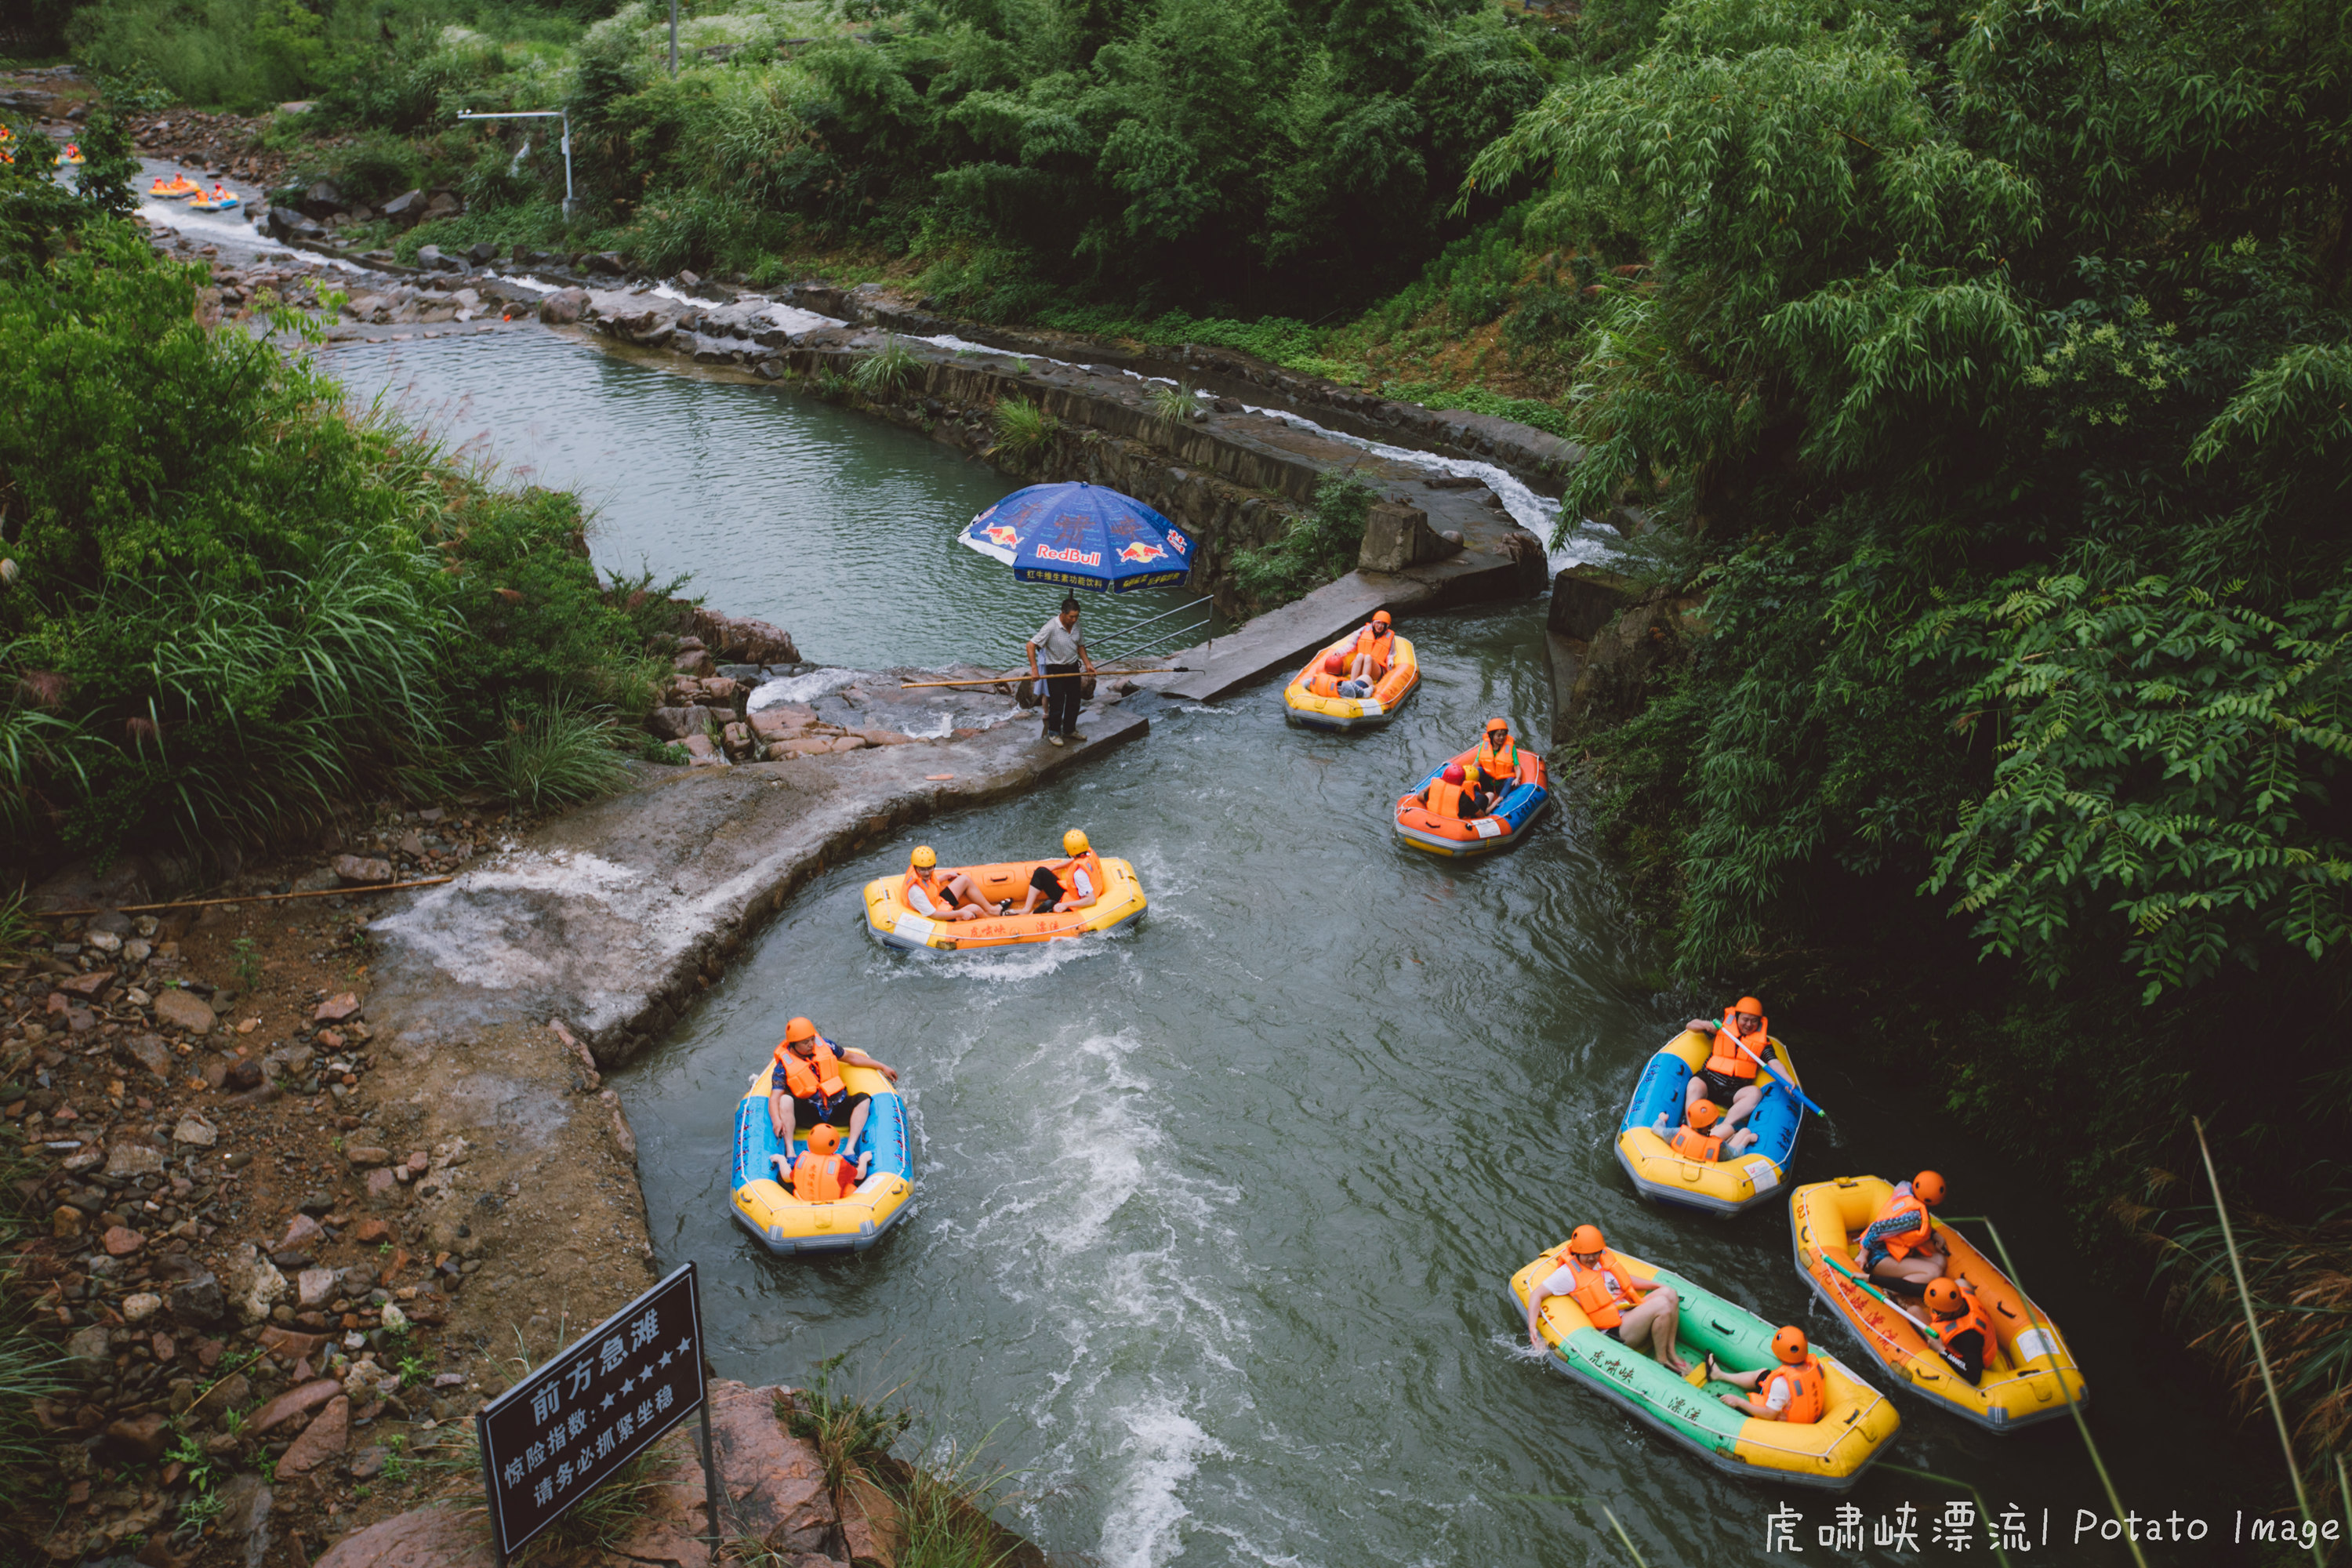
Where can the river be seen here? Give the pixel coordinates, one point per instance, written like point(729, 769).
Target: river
point(1216, 1216)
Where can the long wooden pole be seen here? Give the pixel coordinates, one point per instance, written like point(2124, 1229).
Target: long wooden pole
point(1025, 675)
point(247, 899)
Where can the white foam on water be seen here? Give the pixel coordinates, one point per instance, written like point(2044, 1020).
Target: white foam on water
point(523, 279)
point(1163, 1448)
point(665, 291)
point(795, 321)
point(800, 688)
point(1517, 1349)
point(937, 732)
point(1203, 708)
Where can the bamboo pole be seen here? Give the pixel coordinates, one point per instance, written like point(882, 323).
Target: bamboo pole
point(247, 899)
point(1025, 675)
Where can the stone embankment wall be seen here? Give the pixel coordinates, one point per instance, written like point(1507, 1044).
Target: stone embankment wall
point(1607, 638)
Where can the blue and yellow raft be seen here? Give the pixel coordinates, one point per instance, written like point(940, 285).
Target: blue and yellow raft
point(1724, 1186)
point(787, 1225)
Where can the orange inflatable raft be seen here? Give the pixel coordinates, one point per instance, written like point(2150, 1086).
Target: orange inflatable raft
point(1503, 825)
point(890, 922)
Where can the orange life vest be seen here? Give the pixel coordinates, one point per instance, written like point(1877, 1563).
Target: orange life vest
point(1444, 799)
point(1809, 1391)
point(1092, 866)
point(1949, 1329)
point(1693, 1144)
point(819, 1074)
point(821, 1178)
point(1502, 766)
point(1910, 1241)
point(1381, 648)
point(934, 886)
point(1323, 686)
point(1726, 1060)
point(1603, 1303)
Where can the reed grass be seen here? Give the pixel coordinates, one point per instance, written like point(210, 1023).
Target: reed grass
point(1024, 430)
point(1174, 404)
point(845, 1429)
point(553, 754)
point(884, 372)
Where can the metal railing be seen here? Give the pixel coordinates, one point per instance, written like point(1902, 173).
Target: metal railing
point(1129, 630)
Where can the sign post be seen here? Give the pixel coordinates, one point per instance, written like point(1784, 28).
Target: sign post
point(562, 1431)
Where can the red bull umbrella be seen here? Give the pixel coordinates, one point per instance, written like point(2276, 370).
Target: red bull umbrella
point(1082, 536)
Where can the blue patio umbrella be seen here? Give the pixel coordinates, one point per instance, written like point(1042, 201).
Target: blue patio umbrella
point(1082, 536)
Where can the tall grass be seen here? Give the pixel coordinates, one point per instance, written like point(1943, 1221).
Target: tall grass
point(553, 754)
point(884, 372)
point(1024, 432)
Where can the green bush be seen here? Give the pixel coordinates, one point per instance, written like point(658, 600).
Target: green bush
point(1318, 546)
point(1024, 430)
point(884, 372)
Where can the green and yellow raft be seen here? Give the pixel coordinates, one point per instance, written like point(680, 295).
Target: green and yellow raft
point(1828, 1455)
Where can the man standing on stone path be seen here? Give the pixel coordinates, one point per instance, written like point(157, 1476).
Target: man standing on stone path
point(1066, 654)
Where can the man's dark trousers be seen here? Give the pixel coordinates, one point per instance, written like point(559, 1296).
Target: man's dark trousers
point(1062, 700)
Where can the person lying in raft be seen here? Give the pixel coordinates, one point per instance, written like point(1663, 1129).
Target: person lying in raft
point(1899, 1245)
point(1793, 1391)
point(808, 1072)
point(1330, 678)
point(1692, 1139)
point(1962, 1330)
point(1375, 650)
point(1729, 1078)
point(1071, 884)
point(820, 1176)
point(942, 896)
point(1613, 1300)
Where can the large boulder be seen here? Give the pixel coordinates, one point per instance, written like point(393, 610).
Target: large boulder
point(405, 208)
point(323, 199)
point(771, 1483)
point(607, 263)
point(433, 259)
point(286, 223)
point(682, 723)
point(737, 641)
point(1397, 535)
point(563, 307)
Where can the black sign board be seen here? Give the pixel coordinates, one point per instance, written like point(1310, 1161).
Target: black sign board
point(553, 1437)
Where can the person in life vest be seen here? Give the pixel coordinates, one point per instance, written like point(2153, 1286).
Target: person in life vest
point(1962, 1330)
point(1729, 1077)
point(1070, 884)
point(820, 1176)
point(808, 1075)
point(940, 895)
point(1445, 796)
point(1329, 677)
point(1614, 1298)
point(1375, 651)
point(1494, 766)
point(1793, 1391)
point(1899, 1245)
point(1698, 1138)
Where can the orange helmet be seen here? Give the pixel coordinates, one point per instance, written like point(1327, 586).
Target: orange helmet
point(824, 1138)
point(799, 1029)
point(1748, 1005)
point(1453, 773)
point(1335, 664)
point(1944, 1299)
point(1701, 1115)
point(1928, 1188)
point(1788, 1343)
point(1380, 618)
point(1585, 1241)
point(1499, 722)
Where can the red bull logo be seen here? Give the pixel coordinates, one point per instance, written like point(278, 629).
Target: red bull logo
point(1007, 537)
point(1141, 553)
point(1070, 557)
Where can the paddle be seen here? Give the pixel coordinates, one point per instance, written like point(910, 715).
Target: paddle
point(1935, 1340)
point(1007, 679)
point(1803, 1099)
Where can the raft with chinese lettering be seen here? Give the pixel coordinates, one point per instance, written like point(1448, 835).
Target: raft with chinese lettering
point(784, 1223)
point(1828, 1455)
point(2029, 1376)
point(1730, 1184)
point(889, 921)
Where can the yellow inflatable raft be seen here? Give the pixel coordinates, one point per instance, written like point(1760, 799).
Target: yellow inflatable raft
point(1828, 1454)
point(784, 1223)
point(2029, 1376)
point(889, 921)
point(1304, 708)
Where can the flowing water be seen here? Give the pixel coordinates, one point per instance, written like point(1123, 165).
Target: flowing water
point(1216, 1216)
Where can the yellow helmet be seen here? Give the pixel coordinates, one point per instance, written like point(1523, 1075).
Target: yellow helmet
point(1074, 842)
point(924, 859)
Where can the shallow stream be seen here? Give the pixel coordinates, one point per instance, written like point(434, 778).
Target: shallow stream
point(1216, 1216)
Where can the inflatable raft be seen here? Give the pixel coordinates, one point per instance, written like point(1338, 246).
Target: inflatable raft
point(889, 921)
point(227, 202)
point(173, 189)
point(2029, 1376)
point(1731, 1183)
point(784, 1223)
point(1314, 712)
point(1499, 829)
point(1829, 1454)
